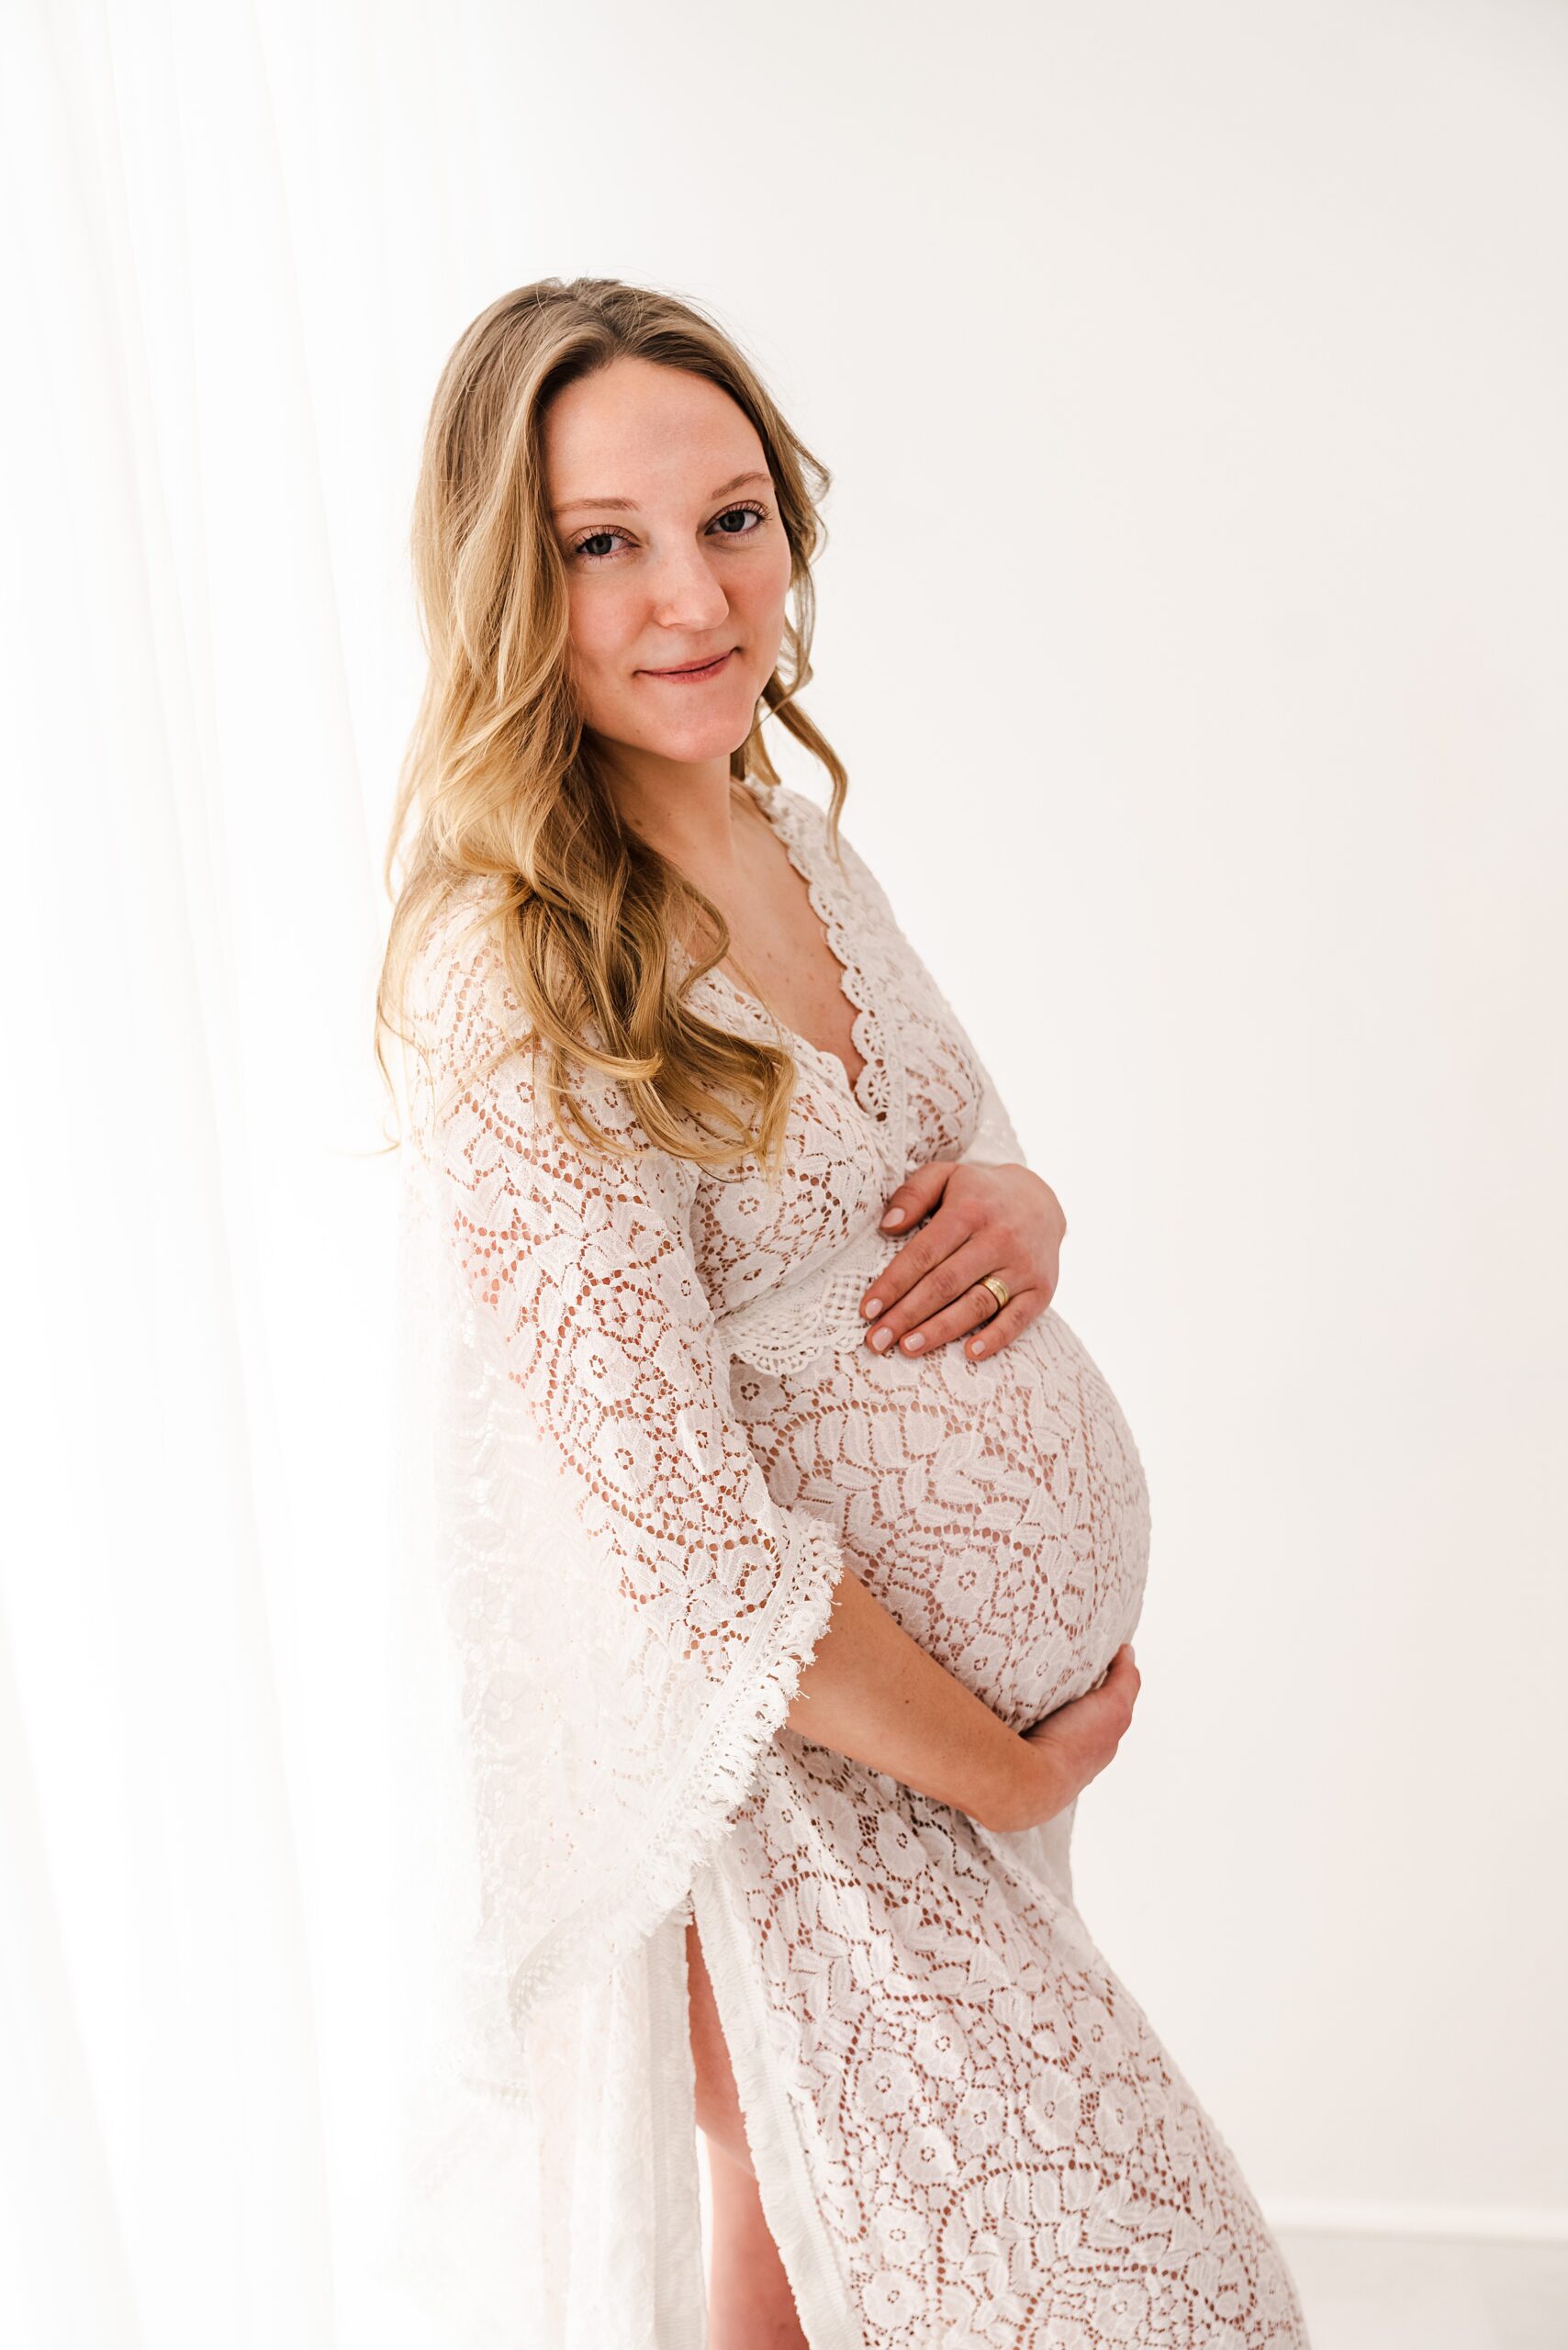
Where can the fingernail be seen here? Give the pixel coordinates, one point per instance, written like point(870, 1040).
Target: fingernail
point(871, 1311)
point(893, 1215)
point(881, 1340)
point(914, 1342)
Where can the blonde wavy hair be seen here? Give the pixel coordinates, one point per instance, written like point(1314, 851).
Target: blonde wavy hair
point(501, 778)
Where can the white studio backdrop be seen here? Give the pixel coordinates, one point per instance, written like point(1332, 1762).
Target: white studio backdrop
point(1192, 625)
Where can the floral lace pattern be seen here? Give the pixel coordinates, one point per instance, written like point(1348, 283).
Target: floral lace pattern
point(661, 1437)
point(1003, 2153)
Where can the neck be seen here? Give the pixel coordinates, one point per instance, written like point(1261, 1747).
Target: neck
point(685, 810)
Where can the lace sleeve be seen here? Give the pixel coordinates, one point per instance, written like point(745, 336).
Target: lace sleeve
point(628, 1609)
point(995, 1140)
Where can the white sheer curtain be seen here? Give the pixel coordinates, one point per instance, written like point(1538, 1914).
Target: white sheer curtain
point(229, 279)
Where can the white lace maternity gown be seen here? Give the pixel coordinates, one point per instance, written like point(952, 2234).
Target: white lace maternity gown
point(965, 2128)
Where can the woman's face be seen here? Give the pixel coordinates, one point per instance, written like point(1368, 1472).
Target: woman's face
point(675, 554)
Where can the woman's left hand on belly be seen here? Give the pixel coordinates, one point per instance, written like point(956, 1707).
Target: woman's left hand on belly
point(973, 1220)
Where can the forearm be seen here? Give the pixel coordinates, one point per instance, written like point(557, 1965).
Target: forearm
point(874, 1694)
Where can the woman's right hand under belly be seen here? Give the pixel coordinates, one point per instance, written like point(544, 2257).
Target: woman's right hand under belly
point(1074, 1744)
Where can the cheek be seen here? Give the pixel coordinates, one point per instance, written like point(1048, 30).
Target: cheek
point(602, 627)
point(761, 595)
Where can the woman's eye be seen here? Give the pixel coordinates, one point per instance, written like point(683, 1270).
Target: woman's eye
point(729, 513)
point(587, 546)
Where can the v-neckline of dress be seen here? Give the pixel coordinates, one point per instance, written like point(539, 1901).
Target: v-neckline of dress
point(870, 1092)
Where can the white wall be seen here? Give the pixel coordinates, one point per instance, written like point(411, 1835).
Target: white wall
point(1200, 435)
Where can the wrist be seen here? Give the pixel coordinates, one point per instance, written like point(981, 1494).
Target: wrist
point(1036, 1791)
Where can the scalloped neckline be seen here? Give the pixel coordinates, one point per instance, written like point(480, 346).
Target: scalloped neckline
point(864, 1027)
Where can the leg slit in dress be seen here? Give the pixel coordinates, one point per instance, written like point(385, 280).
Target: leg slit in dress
point(778, 2155)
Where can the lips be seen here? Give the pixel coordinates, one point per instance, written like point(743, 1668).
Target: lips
point(694, 668)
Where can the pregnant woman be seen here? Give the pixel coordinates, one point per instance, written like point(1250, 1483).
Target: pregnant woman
point(788, 1550)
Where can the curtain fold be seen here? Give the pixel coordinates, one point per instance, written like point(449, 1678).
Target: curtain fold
point(230, 242)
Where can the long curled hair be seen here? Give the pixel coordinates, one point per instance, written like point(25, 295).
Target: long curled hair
point(501, 778)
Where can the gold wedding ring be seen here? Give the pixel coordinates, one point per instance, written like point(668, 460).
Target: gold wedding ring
point(997, 1288)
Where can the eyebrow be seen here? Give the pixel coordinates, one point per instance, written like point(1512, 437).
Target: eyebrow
point(629, 505)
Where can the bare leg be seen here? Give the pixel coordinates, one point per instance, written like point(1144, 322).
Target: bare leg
point(750, 2306)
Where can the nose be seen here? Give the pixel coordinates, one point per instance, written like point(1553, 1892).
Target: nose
point(688, 595)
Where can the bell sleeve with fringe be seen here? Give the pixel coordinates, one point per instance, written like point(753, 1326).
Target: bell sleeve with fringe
point(605, 1615)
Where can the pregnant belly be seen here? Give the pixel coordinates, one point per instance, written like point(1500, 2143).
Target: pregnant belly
point(998, 1509)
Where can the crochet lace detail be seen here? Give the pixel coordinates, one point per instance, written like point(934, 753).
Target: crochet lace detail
point(658, 1439)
